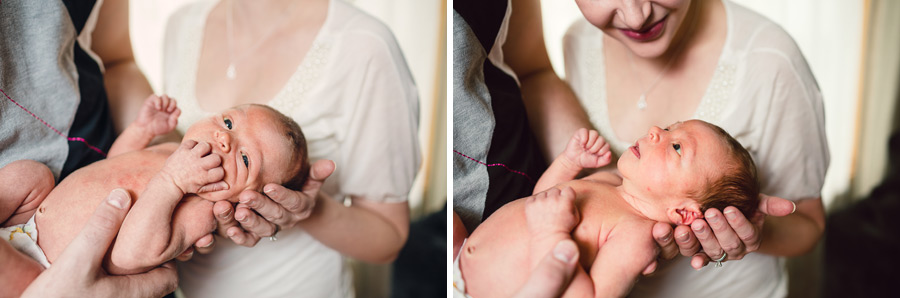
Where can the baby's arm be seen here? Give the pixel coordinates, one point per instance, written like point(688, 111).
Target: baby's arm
point(146, 238)
point(158, 116)
point(629, 249)
point(586, 149)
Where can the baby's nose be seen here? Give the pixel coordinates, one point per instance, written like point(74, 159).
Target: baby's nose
point(223, 140)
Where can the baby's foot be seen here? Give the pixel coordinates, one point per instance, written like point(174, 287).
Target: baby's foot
point(587, 149)
point(551, 211)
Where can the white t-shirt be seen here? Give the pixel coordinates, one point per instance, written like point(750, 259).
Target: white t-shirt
point(762, 93)
point(354, 98)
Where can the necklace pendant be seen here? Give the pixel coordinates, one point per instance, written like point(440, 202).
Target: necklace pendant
point(642, 102)
point(230, 73)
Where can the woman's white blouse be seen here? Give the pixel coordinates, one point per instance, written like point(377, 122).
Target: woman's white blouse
point(356, 102)
point(764, 94)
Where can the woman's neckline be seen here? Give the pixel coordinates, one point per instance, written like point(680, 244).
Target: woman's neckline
point(326, 25)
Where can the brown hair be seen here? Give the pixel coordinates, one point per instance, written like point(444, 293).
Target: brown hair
point(739, 186)
point(300, 155)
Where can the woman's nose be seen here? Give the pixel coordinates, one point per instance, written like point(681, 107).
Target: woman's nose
point(223, 140)
point(634, 13)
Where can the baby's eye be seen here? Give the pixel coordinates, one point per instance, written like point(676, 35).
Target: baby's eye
point(246, 160)
point(666, 129)
point(227, 123)
point(677, 148)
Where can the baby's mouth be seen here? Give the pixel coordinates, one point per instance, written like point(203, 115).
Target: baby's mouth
point(636, 150)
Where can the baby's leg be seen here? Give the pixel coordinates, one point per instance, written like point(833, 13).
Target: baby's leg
point(26, 183)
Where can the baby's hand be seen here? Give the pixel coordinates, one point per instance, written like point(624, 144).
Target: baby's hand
point(158, 115)
point(551, 211)
point(193, 168)
point(587, 149)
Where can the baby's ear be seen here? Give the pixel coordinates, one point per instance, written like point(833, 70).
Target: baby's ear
point(685, 215)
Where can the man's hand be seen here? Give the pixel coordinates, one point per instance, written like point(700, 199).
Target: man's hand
point(194, 169)
point(77, 271)
point(158, 115)
point(553, 274)
point(729, 232)
point(278, 209)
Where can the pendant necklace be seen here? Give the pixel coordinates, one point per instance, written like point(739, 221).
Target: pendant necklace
point(231, 71)
point(642, 100)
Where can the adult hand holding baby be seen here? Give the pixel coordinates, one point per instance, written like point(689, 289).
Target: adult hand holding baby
point(279, 208)
point(77, 272)
point(732, 233)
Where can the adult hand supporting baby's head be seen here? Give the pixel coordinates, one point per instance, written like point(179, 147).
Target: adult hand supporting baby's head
point(78, 273)
point(278, 209)
point(720, 232)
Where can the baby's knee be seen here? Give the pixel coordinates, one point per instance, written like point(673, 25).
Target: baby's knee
point(27, 173)
point(28, 181)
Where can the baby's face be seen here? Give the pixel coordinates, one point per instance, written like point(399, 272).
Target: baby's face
point(253, 149)
point(675, 161)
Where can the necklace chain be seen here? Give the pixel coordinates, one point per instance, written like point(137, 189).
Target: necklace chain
point(231, 71)
point(642, 100)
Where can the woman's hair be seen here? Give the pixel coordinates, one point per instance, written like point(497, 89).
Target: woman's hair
point(739, 186)
point(299, 155)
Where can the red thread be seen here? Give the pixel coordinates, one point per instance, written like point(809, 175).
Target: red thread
point(77, 139)
point(495, 165)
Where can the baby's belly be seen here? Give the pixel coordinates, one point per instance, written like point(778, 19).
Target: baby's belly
point(495, 260)
point(67, 208)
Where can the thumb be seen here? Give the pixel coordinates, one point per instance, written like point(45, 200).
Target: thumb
point(321, 169)
point(554, 273)
point(90, 245)
point(775, 206)
point(318, 172)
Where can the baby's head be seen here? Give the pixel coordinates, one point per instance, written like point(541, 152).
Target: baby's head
point(690, 167)
point(258, 145)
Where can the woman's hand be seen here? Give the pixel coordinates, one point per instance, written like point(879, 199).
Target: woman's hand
point(77, 272)
point(280, 208)
point(731, 233)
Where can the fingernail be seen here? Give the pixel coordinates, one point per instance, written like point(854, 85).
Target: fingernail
point(564, 251)
point(117, 198)
point(226, 214)
point(666, 237)
point(712, 218)
point(730, 214)
point(269, 190)
point(795, 207)
point(231, 233)
point(699, 229)
point(241, 219)
point(208, 244)
point(683, 237)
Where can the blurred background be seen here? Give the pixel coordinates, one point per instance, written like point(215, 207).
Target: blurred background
point(853, 48)
point(420, 29)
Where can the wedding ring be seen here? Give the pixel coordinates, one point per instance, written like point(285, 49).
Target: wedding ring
point(273, 238)
point(720, 259)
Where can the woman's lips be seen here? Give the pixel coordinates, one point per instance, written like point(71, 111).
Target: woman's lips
point(635, 151)
point(650, 33)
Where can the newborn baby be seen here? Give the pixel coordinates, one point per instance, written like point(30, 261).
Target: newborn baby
point(173, 186)
point(670, 175)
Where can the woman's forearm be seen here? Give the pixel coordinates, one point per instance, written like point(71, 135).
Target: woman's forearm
point(368, 231)
point(795, 234)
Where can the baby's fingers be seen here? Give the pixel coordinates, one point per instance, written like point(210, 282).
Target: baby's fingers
point(210, 161)
point(217, 186)
point(201, 149)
